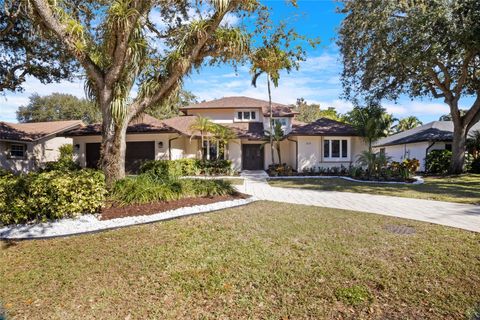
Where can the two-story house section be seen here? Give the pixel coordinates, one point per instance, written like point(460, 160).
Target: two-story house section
point(323, 143)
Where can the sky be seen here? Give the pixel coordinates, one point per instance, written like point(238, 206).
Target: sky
point(317, 80)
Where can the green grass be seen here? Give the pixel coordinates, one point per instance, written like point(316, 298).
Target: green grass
point(234, 181)
point(462, 189)
point(261, 261)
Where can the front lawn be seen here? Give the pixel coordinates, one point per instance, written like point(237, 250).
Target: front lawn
point(462, 189)
point(262, 261)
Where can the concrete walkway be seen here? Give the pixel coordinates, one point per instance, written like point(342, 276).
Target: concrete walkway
point(457, 215)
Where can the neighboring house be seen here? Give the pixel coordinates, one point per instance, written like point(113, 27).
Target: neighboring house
point(26, 146)
point(324, 143)
point(418, 142)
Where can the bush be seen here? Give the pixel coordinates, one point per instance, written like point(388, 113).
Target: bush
point(147, 188)
point(475, 165)
point(50, 195)
point(167, 169)
point(65, 160)
point(438, 161)
point(280, 170)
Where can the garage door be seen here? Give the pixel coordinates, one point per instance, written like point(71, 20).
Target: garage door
point(136, 154)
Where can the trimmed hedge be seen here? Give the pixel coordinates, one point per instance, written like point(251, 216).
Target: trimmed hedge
point(146, 188)
point(50, 195)
point(167, 169)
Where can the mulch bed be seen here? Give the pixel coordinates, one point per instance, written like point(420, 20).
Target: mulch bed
point(115, 211)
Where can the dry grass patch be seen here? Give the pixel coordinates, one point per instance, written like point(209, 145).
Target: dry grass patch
point(461, 189)
point(261, 261)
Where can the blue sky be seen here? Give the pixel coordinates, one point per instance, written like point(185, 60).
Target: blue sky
point(316, 81)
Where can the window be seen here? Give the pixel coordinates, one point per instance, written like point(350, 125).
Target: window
point(382, 151)
point(448, 146)
point(282, 121)
point(246, 115)
point(335, 148)
point(344, 149)
point(212, 150)
point(17, 150)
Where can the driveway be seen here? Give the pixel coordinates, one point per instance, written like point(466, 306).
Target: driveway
point(463, 216)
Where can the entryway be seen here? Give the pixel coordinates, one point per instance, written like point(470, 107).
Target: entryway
point(252, 157)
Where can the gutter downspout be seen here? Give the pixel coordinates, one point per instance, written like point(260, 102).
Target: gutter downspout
point(170, 146)
point(296, 153)
point(426, 152)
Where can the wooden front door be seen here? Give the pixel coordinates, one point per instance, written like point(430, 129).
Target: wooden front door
point(252, 157)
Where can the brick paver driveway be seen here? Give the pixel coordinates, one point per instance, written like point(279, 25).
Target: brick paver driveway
point(457, 215)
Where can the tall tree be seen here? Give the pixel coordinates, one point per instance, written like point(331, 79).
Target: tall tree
point(119, 46)
point(24, 53)
point(418, 48)
point(311, 112)
point(407, 124)
point(448, 116)
point(270, 59)
point(58, 106)
point(372, 122)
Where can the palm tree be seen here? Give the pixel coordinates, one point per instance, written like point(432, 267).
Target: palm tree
point(407, 124)
point(275, 137)
point(222, 135)
point(371, 122)
point(204, 126)
point(270, 60)
point(373, 161)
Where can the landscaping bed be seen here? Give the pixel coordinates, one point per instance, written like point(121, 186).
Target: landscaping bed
point(114, 211)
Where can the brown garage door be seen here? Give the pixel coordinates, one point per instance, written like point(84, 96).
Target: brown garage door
point(135, 155)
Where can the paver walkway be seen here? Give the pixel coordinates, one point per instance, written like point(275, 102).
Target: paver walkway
point(457, 215)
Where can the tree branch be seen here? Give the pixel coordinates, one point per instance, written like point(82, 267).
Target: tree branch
point(464, 73)
point(120, 56)
point(434, 92)
point(42, 8)
point(473, 114)
point(447, 93)
point(191, 56)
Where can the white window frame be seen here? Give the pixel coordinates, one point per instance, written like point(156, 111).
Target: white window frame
point(207, 147)
point(244, 111)
point(24, 150)
point(339, 158)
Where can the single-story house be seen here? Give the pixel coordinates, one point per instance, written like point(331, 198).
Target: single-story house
point(27, 146)
point(323, 143)
point(418, 142)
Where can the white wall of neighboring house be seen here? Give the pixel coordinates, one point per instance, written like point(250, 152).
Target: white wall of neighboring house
point(416, 150)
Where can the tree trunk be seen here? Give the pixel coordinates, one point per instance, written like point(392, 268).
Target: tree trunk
point(278, 152)
point(112, 159)
point(458, 147)
point(271, 118)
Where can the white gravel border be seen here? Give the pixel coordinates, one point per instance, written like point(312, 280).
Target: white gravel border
point(419, 180)
point(90, 223)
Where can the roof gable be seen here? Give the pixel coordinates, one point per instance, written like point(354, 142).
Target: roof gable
point(32, 131)
point(323, 127)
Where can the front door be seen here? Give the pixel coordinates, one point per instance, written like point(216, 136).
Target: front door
point(252, 157)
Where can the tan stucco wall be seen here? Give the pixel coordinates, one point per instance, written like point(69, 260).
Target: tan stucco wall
point(37, 153)
point(224, 115)
point(235, 154)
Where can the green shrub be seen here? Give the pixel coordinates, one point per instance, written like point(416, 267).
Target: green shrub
point(147, 188)
point(438, 161)
point(475, 165)
point(50, 195)
point(353, 296)
point(167, 169)
point(65, 160)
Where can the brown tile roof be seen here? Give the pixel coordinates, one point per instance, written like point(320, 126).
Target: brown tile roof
point(182, 124)
point(247, 130)
point(279, 110)
point(32, 131)
point(321, 127)
point(143, 123)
